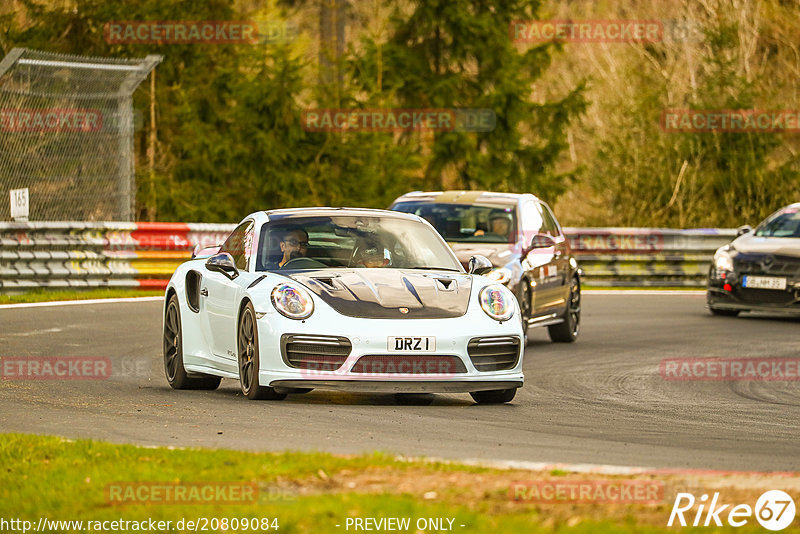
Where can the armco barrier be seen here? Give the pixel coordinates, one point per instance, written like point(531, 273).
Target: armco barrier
point(144, 255)
point(92, 255)
point(646, 256)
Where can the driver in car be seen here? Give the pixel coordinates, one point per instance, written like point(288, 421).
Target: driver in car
point(499, 224)
point(293, 245)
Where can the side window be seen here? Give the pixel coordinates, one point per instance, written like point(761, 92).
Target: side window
point(240, 244)
point(550, 226)
point(531, 219)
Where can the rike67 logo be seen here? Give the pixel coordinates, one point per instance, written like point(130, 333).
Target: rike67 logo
point(774, 510)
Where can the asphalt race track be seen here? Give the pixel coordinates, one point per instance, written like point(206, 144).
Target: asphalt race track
point(600, 400)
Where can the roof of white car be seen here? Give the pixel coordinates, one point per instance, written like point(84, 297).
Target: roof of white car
point(462, 197)
point(328, 211)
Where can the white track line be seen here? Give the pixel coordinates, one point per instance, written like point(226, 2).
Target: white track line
point(534, 466)
point(646, 292)
point(75, 302)
point(598, 469)
point(524, 465)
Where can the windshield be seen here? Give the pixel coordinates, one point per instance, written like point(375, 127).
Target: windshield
point(785, 223)
point(352, 242)
point(483, 223)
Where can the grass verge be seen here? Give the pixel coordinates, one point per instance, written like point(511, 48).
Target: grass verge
point(60, 479)
point(48, 295)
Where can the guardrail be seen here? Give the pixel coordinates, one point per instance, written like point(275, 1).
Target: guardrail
point(646, 256)
point(93, 255)
point(144, 255)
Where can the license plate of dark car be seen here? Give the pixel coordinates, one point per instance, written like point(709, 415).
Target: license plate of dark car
point(764, 282)
point(411, 344)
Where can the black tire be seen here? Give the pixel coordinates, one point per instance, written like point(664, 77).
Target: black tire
point(494, 396)
point(247, 345)
point(723, 313)
point(567, 331)
point(525, 306)
point(176, 374)
point(414, 399)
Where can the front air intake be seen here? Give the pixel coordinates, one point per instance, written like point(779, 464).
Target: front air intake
point(315, 353)
point(496, 353)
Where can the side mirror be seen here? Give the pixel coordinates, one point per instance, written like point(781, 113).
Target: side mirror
point(542, 241)
point(746, 229)
point(223, 263)
point(205, 252)
point(479, 265)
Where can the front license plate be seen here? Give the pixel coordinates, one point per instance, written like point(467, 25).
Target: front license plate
point(411, 344)
point(763, 282)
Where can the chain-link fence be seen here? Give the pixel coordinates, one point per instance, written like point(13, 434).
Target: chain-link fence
point(66, 133)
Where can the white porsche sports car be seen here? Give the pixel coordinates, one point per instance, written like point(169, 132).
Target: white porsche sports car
point(340, 298)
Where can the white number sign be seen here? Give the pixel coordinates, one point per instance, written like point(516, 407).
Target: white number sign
point(19, 203)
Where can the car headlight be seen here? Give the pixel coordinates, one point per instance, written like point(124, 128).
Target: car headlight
point(292, 301)
point(501, 275)
point(497, 302)
point(723, 261)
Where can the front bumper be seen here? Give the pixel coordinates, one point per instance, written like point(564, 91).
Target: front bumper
point(738, 298)
point(369, 337)
point(404, 386)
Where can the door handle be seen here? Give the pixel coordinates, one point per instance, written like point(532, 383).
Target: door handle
point(204, 292)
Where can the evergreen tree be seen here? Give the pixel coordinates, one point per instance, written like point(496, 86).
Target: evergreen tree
point(459, 54)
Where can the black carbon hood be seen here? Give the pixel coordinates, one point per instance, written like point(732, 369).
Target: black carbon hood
point(390, 293)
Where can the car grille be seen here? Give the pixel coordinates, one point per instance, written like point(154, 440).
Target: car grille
point(319, 353)
point(768, 265)
point(496, 353)
point(412, 364)
point(765, 296)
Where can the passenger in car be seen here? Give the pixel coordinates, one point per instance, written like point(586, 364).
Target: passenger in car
point(375, 257)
